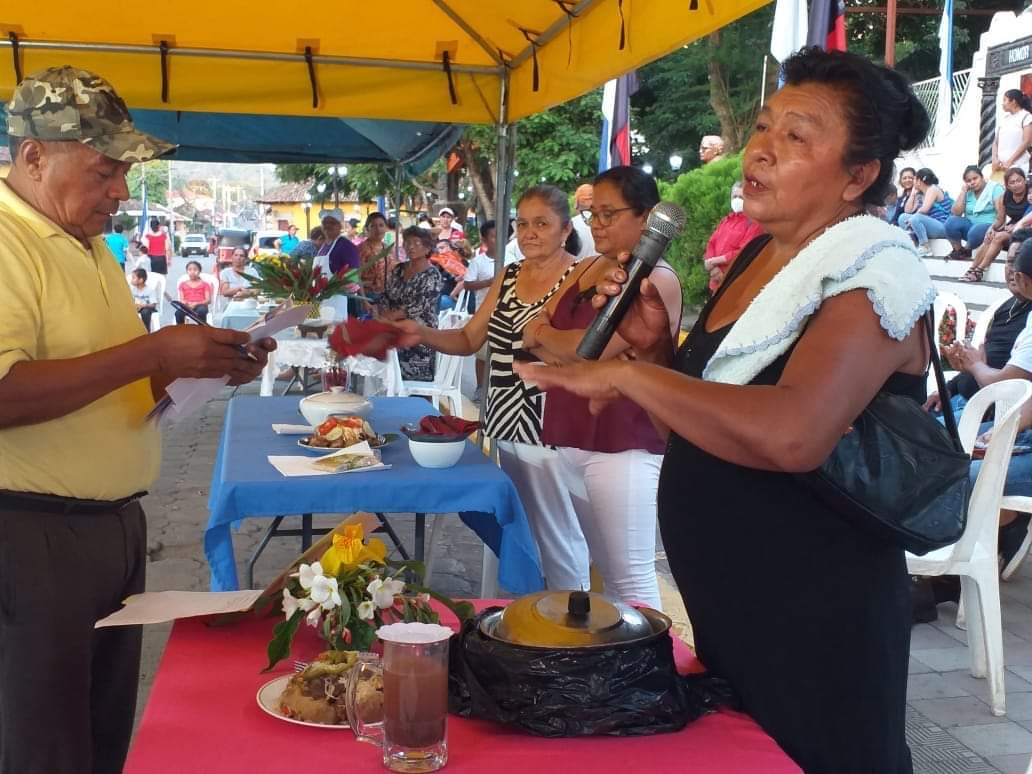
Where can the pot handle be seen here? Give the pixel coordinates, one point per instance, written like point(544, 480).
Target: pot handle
point(370, 731)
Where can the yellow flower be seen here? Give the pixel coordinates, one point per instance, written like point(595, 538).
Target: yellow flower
point(348, 550)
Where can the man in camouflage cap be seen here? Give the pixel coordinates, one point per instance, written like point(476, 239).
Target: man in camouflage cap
point(65, 103)
point(78, 375)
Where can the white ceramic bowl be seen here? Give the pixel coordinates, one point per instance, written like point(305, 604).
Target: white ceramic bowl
point(317, 408)
point(436, 454)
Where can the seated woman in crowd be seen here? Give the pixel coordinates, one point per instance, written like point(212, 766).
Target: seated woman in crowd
point(235, 280)
point(194, 293)
point(734, 232)
point(143, 296)
point(609, 461)
point(375, 270)
point(514, 408)
point(925, 215)
point(908, 196)
point(1012, 212)
point(1007, 323)
point(809, 326)
point(412, 293)
point(972, 213)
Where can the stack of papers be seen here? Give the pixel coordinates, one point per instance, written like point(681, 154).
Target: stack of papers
point(353, 459)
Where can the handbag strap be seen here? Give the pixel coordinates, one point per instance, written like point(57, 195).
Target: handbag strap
point(940, 379)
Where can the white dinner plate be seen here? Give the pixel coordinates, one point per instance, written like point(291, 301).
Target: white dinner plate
point(382, 440)
point(268, 700)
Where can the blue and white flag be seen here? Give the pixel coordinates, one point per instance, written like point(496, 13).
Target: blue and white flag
point(791, 23)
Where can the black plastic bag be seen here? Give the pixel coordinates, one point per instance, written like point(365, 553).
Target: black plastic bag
point(629, 689)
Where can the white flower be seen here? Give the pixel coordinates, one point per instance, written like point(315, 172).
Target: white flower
point(325, 593)
point(290, 604)
point(307, 573)
point(366, 610)
point(313, 618)
point(384, 591)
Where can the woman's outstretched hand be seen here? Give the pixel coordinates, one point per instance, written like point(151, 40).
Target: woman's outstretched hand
point(646, 325)
point(595, 380)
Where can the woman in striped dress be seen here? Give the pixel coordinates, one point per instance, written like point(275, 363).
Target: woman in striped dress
point(514, 409)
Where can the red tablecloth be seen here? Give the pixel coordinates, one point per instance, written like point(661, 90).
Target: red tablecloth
point(202, 717)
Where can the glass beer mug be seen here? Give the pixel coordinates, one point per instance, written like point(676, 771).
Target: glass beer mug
point(413, 729)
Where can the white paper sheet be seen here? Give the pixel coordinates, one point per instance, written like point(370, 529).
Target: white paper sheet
point(283, 429)
point(188, 395)
point(303, 466)
point(160, 606)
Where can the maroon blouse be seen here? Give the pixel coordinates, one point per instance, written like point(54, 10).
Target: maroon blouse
point(623, 425)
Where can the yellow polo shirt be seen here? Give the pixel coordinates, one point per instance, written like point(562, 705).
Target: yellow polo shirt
point(59, 300)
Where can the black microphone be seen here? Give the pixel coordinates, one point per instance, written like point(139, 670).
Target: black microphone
point(664, 223)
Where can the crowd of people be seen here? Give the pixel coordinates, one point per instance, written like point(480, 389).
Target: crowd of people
point(812, 314)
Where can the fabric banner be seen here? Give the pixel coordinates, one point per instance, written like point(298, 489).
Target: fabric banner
point(827, 25)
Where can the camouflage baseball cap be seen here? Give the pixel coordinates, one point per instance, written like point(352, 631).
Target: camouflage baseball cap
point(66, 103)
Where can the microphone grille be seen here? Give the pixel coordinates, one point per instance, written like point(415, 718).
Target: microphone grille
point(666, 218)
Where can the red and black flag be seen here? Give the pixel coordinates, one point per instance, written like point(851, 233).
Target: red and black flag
point(827, 25)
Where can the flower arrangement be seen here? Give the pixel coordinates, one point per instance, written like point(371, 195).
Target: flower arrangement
point(280, 276)
point(350, 592)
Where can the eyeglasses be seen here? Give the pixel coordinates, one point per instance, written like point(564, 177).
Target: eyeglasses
point(604, 217)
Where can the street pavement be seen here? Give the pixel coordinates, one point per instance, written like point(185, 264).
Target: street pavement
point(950, 728)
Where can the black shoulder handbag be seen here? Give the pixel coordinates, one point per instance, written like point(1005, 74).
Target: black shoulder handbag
point(899, 474)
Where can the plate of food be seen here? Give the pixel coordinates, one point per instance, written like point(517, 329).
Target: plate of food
point(315, 695)
point(341, 431)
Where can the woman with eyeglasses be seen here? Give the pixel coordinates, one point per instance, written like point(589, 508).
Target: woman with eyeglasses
point(610, 461)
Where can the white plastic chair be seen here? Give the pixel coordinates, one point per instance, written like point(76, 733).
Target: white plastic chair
point(982, 326)
point(213, 283)
point(446, 383)
point(974, 556)
point(156, 284)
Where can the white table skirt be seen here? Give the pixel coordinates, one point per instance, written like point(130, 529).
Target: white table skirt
point(291, 350)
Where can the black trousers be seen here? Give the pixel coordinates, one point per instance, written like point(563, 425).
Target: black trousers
point(201, 310)
point(67, 690)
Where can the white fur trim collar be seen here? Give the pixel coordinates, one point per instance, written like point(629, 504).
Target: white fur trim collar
point(860, 252)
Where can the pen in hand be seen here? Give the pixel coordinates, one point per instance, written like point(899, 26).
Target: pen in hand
point(181, 307)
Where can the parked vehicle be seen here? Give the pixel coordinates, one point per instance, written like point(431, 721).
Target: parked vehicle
point(265, 243)
point(193, 244)
point(229, 240)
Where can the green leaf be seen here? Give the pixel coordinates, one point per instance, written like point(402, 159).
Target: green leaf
point(461, 609)
point(362, 635)
point(345, 609)
point(282, 638)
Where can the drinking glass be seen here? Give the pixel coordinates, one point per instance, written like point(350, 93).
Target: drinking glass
point(413, 730)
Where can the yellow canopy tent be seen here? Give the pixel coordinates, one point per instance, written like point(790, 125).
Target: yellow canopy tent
point(358, 60)
point(448, 61)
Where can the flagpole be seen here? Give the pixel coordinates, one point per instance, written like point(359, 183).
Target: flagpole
point(763, 83)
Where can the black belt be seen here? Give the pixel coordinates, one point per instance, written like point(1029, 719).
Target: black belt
point(45, 503)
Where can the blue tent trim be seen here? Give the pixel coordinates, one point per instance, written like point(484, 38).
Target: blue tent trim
point(236, 137)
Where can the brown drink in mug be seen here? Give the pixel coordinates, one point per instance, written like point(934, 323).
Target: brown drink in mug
point(413, 732)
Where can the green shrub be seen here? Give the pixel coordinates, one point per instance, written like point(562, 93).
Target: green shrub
point(705, 195)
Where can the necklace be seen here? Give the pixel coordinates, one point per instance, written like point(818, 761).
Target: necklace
point(1014, 308)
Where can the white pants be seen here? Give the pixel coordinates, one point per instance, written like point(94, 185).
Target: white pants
point(536, 472)
point(614, 496)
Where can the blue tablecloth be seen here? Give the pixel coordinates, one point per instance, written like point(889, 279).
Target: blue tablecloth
point(245, 485)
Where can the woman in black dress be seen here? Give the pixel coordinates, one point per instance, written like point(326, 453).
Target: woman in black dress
point(803, 613)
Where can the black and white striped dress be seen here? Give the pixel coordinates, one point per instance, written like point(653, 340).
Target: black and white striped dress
point(514, 409)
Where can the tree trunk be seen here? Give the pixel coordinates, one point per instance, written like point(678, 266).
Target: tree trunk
point(731, 129)
point(480, 176)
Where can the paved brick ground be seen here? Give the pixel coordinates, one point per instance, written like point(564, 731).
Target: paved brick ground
point(949, 724)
